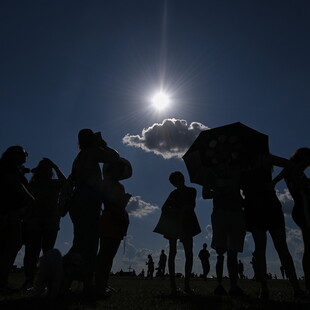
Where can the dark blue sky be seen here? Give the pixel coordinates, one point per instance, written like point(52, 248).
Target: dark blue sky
point(66, 65)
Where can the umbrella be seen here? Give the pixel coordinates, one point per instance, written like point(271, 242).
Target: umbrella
point(215, 148)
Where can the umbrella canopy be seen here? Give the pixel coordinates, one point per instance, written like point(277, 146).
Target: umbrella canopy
point(230, 144)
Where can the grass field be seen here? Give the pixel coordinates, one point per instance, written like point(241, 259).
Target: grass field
point(138, 293)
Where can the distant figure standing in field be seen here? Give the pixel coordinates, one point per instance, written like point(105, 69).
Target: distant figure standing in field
point(227, 221)
point(299, 186)
point(15, 199)
point(162, 264)
point(42, 223)
point(150, 266)
point(178, 221)
point(263, 212)
point(204, 256)
point(114, 220)
point(87, 200)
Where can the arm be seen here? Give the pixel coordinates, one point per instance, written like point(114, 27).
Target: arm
point(22, 194)
point(106, 155)
point(279, 161)
point(279, 177)
point(59, 174)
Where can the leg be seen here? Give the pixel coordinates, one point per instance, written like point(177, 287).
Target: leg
point(260, 265)
point(306, 257)
point(48, 240)
point(32, 253)
point(10, 243)
point(85, 243)
point(232, 266)
point(219, 290)
point(171, 264)
point(279, 240)
point(219, 265)
point(107, 252)
point(188, 248)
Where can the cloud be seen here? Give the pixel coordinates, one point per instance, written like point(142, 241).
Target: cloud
point(139, 208)
point(286, 201)
point(169, 139)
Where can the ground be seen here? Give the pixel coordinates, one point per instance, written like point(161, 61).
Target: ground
point(141, 293)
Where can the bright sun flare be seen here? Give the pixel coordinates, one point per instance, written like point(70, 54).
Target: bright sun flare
point(160, 101)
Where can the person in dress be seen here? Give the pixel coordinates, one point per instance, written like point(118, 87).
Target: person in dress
point(178, 221)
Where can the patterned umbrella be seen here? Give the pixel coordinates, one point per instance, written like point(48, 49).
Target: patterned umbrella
point(216, 148)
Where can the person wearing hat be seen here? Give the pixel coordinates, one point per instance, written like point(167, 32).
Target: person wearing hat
point(87, 200)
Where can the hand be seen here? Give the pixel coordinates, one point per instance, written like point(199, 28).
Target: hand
point(49, 162)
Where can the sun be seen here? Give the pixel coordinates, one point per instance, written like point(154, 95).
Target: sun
point(161, 101)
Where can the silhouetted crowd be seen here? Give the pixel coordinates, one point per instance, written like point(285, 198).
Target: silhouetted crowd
point(243, 195)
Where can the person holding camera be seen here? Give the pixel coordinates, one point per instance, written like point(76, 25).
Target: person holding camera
point(42, 224)
point(87, 200)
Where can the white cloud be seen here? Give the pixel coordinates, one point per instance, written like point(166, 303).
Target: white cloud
point(286, 201)
point(171, 138)
point(139, 208)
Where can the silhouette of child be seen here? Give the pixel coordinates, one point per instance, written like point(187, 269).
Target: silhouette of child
point(178, 221)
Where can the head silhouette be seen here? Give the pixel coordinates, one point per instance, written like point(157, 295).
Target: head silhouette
point(86, 138)
point(14, 156)
point(176, 178)
point(301, 157)
point(205, 245)
point(44, 170)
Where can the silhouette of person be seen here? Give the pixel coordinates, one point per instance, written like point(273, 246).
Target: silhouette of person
point(162, 263)
point(178, 221)
point(240, 269)
point(15, 198)
point(299, 187)
point(263, 212)
point(42, 223)
point(204, 256)
point(227, 220)
point(150, 266)
point(87, 200)
point(113, 223)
